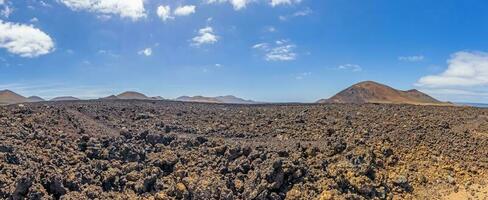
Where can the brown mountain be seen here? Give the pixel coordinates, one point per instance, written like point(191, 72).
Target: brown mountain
point(9, 97)
point(65, 98)
point(132, 95)
point(372, 92)
point(229, 99)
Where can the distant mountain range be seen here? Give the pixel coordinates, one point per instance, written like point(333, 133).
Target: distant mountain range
point(363, 92)
point(35, 99)
point(372, 92)
point(132, 95)
point(479, 105)
point(65, 98)
point(9, 97)
point(220, 99)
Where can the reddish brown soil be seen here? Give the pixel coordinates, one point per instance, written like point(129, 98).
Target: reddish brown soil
point(172, 150)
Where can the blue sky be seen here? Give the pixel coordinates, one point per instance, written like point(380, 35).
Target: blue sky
point(266, 50)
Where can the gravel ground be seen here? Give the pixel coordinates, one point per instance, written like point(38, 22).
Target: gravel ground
point(173, 150)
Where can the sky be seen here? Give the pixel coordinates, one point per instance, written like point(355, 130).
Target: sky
point(265, 50)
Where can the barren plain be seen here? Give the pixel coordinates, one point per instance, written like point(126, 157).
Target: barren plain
point(129, 149)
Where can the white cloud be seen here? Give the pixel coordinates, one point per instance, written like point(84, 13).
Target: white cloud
point(133, 9)
point(164, 12)
point(411, 58)
point(304, 12)
point(108, 52)
point(237, 4)
point(205, 36)
point(104, 17)
point(465, 69)
point(263, 46)
point(303, 75)
point(465, 79)
point(184, 10)
point(34, 20)
point(350, 67)
point(270, 29)
point(281, 50)
point(24, 40)
point(2, 2)
point(300, 13)
point(6, 11)
point(281, 53)
point(146, 52)
point(241, 4)
point(284, 2)
point(44, 4)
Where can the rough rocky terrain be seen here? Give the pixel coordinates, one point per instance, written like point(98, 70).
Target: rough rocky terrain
point(117, 149)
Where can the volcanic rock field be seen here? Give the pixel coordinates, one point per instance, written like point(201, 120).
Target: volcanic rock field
point(128, 149)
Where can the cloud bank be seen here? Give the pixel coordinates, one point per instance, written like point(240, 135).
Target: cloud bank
point(465, 79)
point(465, 69)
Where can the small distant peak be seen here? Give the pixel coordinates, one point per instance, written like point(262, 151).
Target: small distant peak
point(368, 83)
point(6, 91)
point(110, 97)
point(65, 98)
point(35, 98)
point(413, 90)
point(129, 92)
point(131, 95)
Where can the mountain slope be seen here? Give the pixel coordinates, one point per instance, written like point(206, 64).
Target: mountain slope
point(159, 98)
point(110, 97)
point(9, 97)
point(372, 92)
point(35, 99)
point(200, 99)
point(233, 100)
point(229, 99)
point(132, 95)
point(65, 98)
